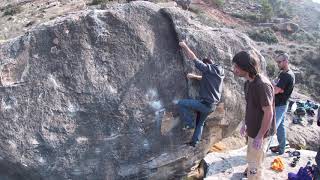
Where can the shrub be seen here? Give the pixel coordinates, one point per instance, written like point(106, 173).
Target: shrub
point(302, 37)
point(267, 11)
point(310, 75)
point(195, 9)
point(284, 14)
point(11, 10)
point(218, 3)
point(271, 68)
point(96, 2)
point(316, 34)
point(281, 8)
point(254, 18)
point(264, 35)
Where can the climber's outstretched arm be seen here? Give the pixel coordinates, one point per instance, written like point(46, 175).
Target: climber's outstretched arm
point(190, 54)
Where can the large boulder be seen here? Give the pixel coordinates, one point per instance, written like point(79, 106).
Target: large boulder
point(287, 27)
point(92, 95)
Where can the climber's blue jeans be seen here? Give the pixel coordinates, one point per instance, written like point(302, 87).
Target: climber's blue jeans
point(185, 108)
point(281, 131)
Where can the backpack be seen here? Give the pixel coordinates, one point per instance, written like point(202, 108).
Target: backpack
point(300, 111)
point(304, 173)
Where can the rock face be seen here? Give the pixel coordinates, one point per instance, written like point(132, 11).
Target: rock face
point(91, 95)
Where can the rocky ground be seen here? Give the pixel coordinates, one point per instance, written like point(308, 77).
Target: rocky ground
point(226, 159)
point(17, 17)
point(231, 165)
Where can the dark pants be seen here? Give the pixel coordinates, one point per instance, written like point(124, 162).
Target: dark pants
point(317, 170)
point(203, 109)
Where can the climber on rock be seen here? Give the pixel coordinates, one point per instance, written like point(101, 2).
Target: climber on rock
point(211, 82)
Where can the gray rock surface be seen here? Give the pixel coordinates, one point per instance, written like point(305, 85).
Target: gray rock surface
point(91, 95)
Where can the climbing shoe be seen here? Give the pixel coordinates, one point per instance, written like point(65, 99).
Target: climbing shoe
point(193, 144)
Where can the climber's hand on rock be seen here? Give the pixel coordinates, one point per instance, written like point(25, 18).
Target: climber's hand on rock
point(182, 44)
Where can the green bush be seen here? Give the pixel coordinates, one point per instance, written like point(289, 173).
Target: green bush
point(264, 35)
point(312, 74)
point(267, 10)
point(11, 10)
point(195, 9)
point(302, 37)
point(254, 18)
point(280, 8)
point(276, 4)
point(96, 2)
point(284, 14)
point(218, 3)
point(316, 35)
point(271, 68)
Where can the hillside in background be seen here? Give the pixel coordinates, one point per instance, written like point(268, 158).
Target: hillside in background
point(292, 26)
point(276, 26)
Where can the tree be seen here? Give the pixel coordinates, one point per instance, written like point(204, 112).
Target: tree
point(267, 11)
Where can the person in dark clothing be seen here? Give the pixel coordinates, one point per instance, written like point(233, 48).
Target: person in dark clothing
point(318, 119)
point(259, 117)
point(283, 87)
point(317, 169)
point(211, 82)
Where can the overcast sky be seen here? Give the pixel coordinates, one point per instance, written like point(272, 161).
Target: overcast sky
point(318, 1)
